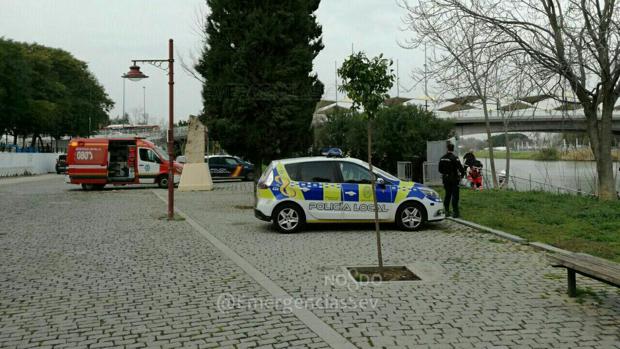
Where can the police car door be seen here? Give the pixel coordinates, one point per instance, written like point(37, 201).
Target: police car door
point(217, 166)
point(320, 187)
point(148, 165)
point(357, 194)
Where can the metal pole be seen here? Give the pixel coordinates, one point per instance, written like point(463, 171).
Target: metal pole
point(397, 80)
point(425, 82)
point(170, 131)
point(336, 80)
point(123, 116)
point(144, 105)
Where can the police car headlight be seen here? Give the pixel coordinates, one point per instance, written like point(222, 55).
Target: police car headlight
point(430, 193)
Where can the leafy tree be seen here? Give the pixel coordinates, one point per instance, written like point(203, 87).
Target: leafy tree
point(259, 92)
point(48, 91)
point(367, 81)
point(500, 140)
point(15, 85)
point(400, 132)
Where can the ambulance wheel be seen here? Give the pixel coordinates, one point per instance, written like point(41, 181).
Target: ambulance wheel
point(88, 186)
point(163, 181)
point(410, 216)
point(288, 218)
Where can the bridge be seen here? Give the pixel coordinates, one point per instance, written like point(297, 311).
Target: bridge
point(467, 125)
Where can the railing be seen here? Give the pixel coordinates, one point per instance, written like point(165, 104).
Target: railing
point(528, 184)
point(404, 170)
point(433, 177)
point(430, 173)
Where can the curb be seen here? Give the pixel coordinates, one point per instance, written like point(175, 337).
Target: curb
point(323, 330)
point(537, 245)
point(548, 248)
point(499, 233)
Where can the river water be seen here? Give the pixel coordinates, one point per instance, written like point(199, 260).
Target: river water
point(550, 175)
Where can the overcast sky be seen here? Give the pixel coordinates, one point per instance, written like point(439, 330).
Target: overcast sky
point(107, 34)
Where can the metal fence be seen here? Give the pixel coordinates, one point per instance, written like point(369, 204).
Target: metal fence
point(404, 170)
point(528, 184)
point(431, 175)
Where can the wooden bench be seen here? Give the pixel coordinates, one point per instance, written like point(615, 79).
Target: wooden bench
point(586, 265)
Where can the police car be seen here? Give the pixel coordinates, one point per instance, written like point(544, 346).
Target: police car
point(293, 192)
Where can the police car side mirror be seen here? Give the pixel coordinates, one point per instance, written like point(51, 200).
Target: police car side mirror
point(380, 181)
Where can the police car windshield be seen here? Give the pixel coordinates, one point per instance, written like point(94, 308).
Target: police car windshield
point(385, 175)
point(382, 173)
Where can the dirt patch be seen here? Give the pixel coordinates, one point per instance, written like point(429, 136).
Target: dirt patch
point(376, 274)
point(243, 207)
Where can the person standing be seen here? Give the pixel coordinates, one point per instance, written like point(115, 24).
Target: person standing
point(469, 158)
point(451, 173)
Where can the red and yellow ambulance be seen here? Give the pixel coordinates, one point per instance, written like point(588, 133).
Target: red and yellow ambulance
point(95, 162)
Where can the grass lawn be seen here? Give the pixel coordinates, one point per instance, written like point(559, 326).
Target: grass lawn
point(501, 154)
point(574, 223)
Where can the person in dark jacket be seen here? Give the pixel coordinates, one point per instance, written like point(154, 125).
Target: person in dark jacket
point(469, 158)
point(451, 173)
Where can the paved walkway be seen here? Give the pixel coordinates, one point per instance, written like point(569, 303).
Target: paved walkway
point(101, 269)
point(480, 291)
point(26, 179)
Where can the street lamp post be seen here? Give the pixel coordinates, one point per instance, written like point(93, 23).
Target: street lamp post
point(135, 74)
point(144, 105)
point(123, 116)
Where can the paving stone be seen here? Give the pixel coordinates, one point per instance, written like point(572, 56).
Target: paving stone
point(484, 290)
point(93, 268)
point(98, 263)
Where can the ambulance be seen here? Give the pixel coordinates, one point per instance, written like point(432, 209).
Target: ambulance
point(325, 189)
point(96, 162)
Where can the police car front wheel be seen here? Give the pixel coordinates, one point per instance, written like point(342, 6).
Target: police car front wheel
point(410, 216)
point(288, 218)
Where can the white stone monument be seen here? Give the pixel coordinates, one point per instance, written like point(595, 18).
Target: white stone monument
point(196, 175)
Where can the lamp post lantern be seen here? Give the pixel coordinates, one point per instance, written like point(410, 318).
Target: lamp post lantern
point(135, 74)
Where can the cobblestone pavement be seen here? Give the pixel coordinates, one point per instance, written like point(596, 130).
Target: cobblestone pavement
point(100, 269)
point(479, 291)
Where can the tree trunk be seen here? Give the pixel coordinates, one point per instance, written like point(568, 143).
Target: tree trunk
point(373, 184)
point(601, 148)
point(507, 143)
point(485, 109)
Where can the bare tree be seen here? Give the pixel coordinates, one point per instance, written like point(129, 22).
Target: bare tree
point(573, 40)
point(513, 83)
point(464, 61)
point(198, 28)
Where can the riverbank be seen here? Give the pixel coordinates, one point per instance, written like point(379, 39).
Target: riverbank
point(574, 223)
point(584, 154)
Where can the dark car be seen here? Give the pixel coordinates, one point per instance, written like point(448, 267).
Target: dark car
point(61, 164)
point(230, 167)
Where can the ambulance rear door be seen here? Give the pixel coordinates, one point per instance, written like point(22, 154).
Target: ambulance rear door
point(87, 161)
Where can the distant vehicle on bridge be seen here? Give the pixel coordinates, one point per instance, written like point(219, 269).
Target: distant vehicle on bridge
point(96, 162)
